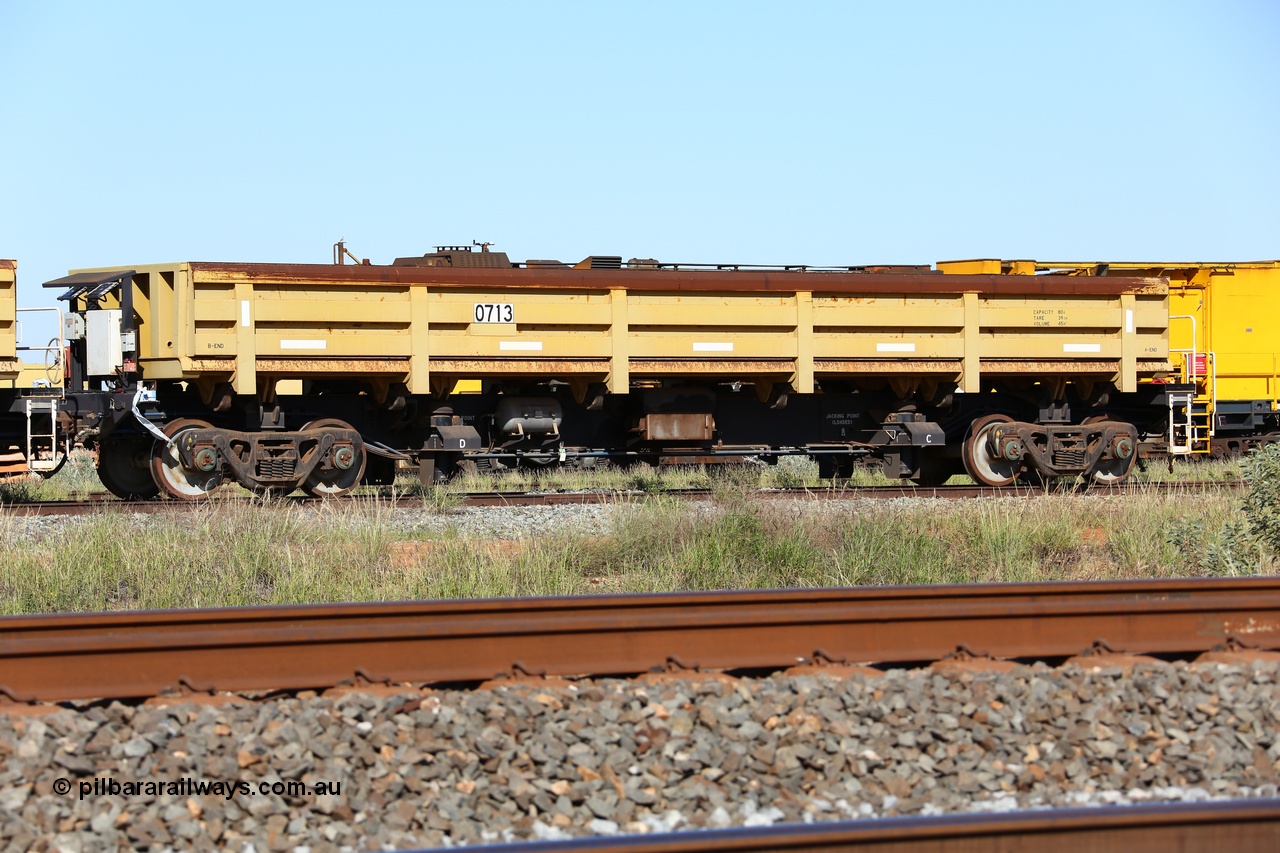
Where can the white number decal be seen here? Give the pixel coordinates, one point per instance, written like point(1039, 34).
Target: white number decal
point(494, 312)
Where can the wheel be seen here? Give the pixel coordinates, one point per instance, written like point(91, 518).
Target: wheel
point(174, 478)
point(331, 480)
point(1114, 471)
point(124, 466)
point(986, 469)
point(1110, 472)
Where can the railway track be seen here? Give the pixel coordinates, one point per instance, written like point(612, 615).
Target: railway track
point(1243, 827)
point(108, 503)
point(58, 657)
point(461, 755)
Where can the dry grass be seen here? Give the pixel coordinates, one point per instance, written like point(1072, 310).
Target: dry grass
point(241, 552)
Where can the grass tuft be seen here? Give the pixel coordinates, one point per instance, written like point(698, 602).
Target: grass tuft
point(241, 552)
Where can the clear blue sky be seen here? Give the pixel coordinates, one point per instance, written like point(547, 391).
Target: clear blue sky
point(902, 132)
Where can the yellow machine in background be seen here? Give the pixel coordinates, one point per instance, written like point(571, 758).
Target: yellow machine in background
point(1224, 339)
point(1224, 321)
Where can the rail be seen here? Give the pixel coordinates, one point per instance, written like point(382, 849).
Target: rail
point(1241, 826)
point(836, 491)
point(119, 655)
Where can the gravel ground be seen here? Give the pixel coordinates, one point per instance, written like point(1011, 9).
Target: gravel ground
point(469, 522)
point(602, 757)
point(514, 522)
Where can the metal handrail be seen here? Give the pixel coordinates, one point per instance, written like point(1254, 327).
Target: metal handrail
point(59, 350)
point(1213, 389)
point(1192, 378)
point(1189, 368)
point(1189, 365)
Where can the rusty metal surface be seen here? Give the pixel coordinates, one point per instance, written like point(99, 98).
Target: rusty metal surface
point(872, 366)
point(278, 364)
point(710, 366)
point(675, 281)
point(68, 656)
point(210, 365)
point(1246, 826)
point(360, 365)
point(672, 426)
point(523, 366)
point(1019, 366)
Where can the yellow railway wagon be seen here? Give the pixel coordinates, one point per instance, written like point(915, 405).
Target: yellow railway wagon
point(291, 375)
point(246, 326)
point(1224, 334)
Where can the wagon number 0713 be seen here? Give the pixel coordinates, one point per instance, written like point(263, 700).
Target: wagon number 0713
point(495, 312)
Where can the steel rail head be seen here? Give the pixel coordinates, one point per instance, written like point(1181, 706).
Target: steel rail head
point(74, 656)
point(835, 491)
point(1240, 825)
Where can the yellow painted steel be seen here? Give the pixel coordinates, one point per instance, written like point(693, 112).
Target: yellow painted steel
point(619, 377)
point(988, 266)
point(1226, 313)
point(34, 376)
point(10, 368)
point(211, 323)
point(1237, 320)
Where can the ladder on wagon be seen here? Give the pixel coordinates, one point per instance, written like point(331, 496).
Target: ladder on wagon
point(1191, 411)
point(44, 456)
point(1183, 430)
point(1190, 423)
